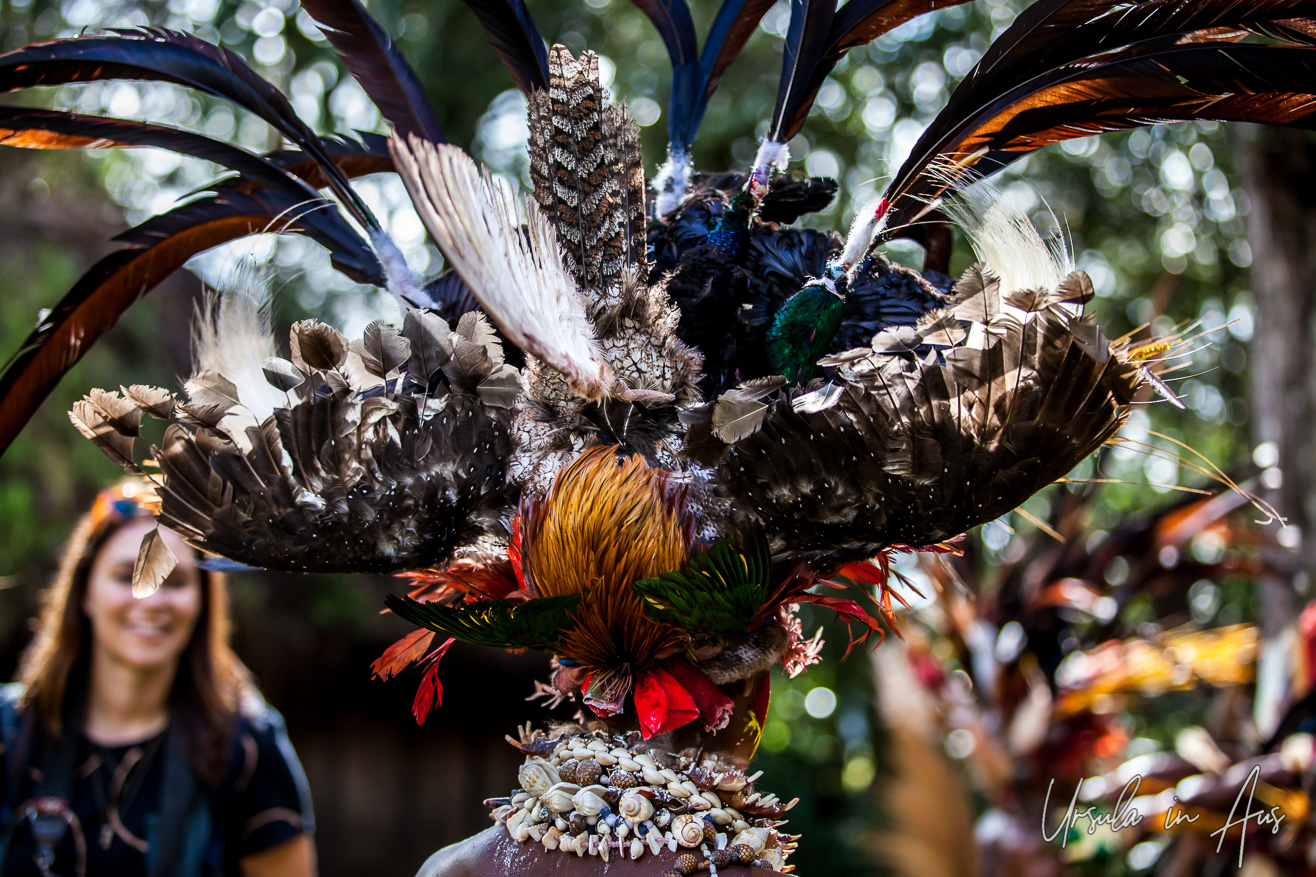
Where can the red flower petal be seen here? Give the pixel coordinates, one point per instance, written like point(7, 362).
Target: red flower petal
point(662, 703)
point(715, 708)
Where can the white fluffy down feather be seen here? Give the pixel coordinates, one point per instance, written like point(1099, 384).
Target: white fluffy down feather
point(516, 274)
point(232, 335)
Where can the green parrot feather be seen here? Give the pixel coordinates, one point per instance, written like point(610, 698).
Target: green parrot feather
point(504, 624)
point(719, 594)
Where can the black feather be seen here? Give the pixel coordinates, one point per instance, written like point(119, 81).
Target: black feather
point(512, 33)
point(376, 62)
point(168, 56)
point(807, 39)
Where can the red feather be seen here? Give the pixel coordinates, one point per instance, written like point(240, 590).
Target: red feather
point(402, 654)
point(430, 693)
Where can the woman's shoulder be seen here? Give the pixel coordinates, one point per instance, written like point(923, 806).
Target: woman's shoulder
point(271, 801)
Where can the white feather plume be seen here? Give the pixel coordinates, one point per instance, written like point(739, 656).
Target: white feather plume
point(1003, 237)
point(516, 274)
point(232, 334)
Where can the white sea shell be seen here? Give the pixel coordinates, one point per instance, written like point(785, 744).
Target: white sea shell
point(774, 859)
point(652, 776)
point(559, 798)
point(645, 761)
point(551, 838)
point(537, 776)
point(637, 848)
point(581, 844)
point(688, 829)
point(754, 838)
point(517, 828)
point(634, 807)
point(588, 802)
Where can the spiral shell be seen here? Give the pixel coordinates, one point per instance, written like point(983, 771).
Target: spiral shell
point(635, 807)
point(588, 803)
point(558, 798)
point(567, 771)
point(742, 854)
point(688, 829)
point(537, 776)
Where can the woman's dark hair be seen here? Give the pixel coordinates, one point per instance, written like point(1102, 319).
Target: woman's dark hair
point(211, 685)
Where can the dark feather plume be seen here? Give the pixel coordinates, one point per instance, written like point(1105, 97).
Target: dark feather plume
point(513, 35)
point(807, 39)
point(695, 79)
point(54, 129)
point(377, 63)
point(1053, 33)
point(1266, 84)
point(168, 56)
point(356, 159)
point(856, 23)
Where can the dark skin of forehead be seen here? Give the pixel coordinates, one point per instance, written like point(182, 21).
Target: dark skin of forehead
point(486, 854)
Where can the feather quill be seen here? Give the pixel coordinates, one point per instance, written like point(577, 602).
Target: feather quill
point(516, 274)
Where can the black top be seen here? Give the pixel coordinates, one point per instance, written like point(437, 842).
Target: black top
point(117, 799)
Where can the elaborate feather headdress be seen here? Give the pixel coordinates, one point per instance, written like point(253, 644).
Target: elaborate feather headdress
point(635, 426)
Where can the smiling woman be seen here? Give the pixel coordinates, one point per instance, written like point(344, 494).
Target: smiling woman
point(135, 741)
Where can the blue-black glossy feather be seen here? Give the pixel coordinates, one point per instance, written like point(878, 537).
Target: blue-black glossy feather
point(376, 62)
point(693, 84)
point(807, 39)
point(513, 35)
point(168, 56)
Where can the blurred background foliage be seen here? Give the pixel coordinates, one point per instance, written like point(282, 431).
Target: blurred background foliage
point(1155, 216)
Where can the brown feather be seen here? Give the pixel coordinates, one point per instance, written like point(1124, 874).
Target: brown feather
point(608, 523)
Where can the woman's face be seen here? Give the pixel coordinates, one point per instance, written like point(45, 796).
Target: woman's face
point(149, 633)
